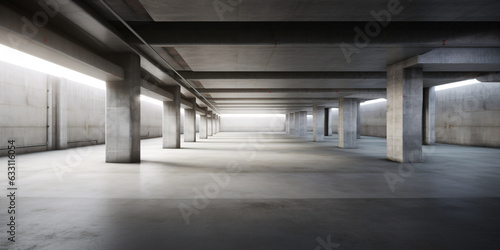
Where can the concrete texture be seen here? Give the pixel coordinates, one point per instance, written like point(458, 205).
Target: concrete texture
point(469, 115)
point(358, 120)
point(291, 123)
point(297, 124)
point(123, 114)
point(172, 120)
point(190, 124)
point(327, 122)
point(318, 123)
point(374, 119)
point(348, 113)
point(429, 116)
point(283, 193)
point(203, 127)
point(303, 123)
point(404, 113)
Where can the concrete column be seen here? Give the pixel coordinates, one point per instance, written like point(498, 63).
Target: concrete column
point(297, 124)
point(291, 123)
point(326, 121)
point(358, 119)
point(123, 114)
point(210, 123)
point(190, 123)
point(330, 121)
point(303, 123)
point(404, 113)
point(172, 120)
point(319, 123)
point(429, 116)
point(58, 113)
point(204, 125)
point(347, 122)
point(287, 124)
point(217, 124)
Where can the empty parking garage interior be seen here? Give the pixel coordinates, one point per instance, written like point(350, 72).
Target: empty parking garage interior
point(249, 124)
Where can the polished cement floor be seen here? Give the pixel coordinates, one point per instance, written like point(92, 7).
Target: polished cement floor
point(257, 191)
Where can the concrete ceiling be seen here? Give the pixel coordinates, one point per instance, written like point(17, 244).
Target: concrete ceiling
point(285, 46)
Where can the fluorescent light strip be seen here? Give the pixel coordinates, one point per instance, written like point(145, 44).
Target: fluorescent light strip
point(21, 59)
point(374, 101)
point(456, 84)
point(252, 115)
point(24, 60)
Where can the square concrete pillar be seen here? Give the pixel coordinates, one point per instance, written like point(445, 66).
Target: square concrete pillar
point(291, 123)
point(326, 120)
point(330, 122)
point(123, 114)
point(190, 123)
point(216, 124)
point(204, 125)
point(358, 120)
point(172, 120)
point(287, 127)
point(348, 122)
point(57, 113)
point(303, 123)
point(404, 114)
point(210, 124)
point(318, 123)
point(297, 124)
point(429, 116)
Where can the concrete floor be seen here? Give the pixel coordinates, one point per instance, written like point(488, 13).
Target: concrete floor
point(282, 193)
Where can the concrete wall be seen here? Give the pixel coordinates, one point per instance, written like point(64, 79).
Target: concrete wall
point(469, 115)
point(374, 119)
point(310, 123)
point(274, 123)
point(335, 120)
point(24, 99)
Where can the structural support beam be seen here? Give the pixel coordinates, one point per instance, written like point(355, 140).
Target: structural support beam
point(422, 34)
point(291, 123)
point(190, 123)
point(297, 124)
point(358, 119)
point(210, 123)
point(203, 127)
point(327, 122)
point(404, 113)
point(123, 114)
point(429, 116)
point(347, 122)
point(58, 113)
point(303, 123)
point(172, 120)
point(318, 123)
point(287, 124)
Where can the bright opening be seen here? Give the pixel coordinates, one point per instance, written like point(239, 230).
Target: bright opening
point(374, 101)
point(456, 84)
point(252, 115)
point(21, 59)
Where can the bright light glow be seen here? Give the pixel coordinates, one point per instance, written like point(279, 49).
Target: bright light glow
point(253, 115)
point(374, 101)
point(456, 84)
point(151, 100)
point(28, 61)
point(24, 60)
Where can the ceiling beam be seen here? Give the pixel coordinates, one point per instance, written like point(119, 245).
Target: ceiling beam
point(421, 34)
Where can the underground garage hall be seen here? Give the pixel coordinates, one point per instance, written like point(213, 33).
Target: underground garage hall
point(249, 124)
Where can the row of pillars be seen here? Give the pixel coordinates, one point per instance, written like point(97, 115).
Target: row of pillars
point(123, 125)
point(411, 113)
point(349, 123)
